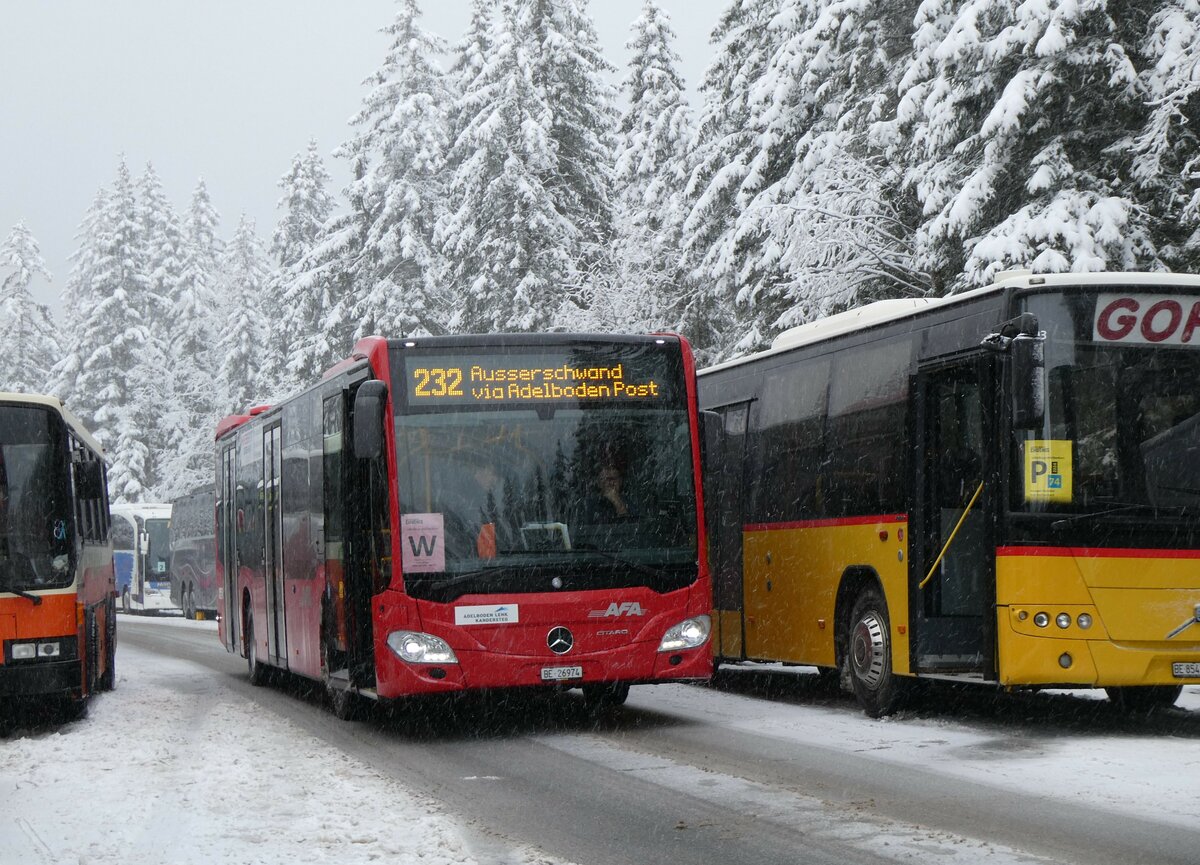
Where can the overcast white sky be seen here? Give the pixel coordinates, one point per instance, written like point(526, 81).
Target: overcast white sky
point(226, 90)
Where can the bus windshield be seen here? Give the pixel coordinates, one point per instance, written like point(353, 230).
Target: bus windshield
point(35, 510)
point(1122, 427)
point(565, 493)
point(158, 556)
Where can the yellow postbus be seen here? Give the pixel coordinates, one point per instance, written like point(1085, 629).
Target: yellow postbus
point(999, 486)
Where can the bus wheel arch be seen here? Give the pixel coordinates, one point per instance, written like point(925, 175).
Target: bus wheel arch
point(866, 639)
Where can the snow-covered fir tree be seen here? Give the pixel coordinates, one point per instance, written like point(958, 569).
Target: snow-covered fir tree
point(823, 222)
point(29, 345)
point(307, 205)
point(1011, 126)
point(195, 310)
point(569, 67)
point(1164, 153)
point(469, 56)
point(723, 149)
point(510, 248)
point(162, 242)
point(79, 297)
point(243, 334)
point(647, 277)
point(401, 139)
point(104, 375)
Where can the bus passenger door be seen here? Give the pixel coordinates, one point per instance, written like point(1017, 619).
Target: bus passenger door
point(952, 576)
point(227, 551)
point(273, 545)
point(724, 496)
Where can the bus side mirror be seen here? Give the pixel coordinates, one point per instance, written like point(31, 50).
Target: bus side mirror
point(712, 436)
point(89, 479)
point(368, 419)
point(1027, 366)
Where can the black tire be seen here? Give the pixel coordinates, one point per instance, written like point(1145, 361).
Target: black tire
point(869, 647)
point(345, 704)
point(108, 679)
point(1142, 699)
point(189, 604)
point(601, 697)
point(258, 671)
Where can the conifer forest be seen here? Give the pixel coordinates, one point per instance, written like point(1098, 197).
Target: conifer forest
point(514, 179)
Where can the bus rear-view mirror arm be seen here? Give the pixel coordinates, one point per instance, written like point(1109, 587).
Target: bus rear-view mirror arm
point(1025, 346)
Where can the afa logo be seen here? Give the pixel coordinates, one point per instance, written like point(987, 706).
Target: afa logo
point(625, 608)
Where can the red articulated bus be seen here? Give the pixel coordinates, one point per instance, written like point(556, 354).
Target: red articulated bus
point(57, 594)
point(451, 513)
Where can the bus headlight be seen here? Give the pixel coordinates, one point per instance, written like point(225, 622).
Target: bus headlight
point(418, 648)
point(29, 651)
point(688, 634)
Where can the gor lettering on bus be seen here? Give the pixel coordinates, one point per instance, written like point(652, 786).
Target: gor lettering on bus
point(1146, 319)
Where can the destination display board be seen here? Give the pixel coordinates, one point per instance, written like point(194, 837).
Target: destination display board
point(520, 379)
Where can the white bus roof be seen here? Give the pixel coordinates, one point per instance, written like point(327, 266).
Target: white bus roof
point(55, 403)
point(882, 311)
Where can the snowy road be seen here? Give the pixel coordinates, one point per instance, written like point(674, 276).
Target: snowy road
point(185, 762)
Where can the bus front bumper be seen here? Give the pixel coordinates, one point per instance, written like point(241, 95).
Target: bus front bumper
point(1051, 655)
point(41, 678)
point(637, 663)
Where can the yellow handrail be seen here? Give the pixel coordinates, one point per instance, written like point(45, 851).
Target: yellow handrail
point(950, 539)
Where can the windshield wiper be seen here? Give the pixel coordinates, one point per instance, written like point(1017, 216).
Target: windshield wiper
point(35, 599)
point(1123, 509)
point(647, 570)
point(467, 576)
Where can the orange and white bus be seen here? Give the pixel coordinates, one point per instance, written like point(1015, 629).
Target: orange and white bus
point(1000, 486)
point(57, 595)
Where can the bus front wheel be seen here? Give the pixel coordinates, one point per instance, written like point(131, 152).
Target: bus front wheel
point(602, 697)
point(258, 672)
point(876, 686)
point(1144, 698)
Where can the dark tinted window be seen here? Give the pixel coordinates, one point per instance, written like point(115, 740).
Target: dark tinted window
point(866, 437)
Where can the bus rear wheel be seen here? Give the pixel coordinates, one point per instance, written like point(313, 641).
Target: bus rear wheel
point(1141, 699)
point(869, 646)
point(189, 604)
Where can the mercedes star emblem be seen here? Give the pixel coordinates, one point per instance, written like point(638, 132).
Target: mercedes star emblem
point(560, 640)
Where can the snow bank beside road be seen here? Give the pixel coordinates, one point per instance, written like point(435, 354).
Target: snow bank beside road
point(163, 774)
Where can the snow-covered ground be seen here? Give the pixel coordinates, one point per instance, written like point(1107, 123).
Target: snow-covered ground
point(136, 781)
point(134, 784)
